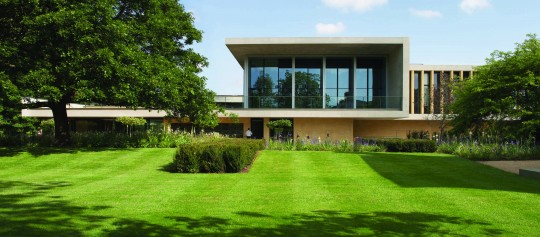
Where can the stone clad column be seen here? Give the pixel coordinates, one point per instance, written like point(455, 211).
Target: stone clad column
point(411, 92)
point(246, 83)
point(421, 88)
point(431, 92)
point(354, 83)
point(323, 75)
point(293, 93)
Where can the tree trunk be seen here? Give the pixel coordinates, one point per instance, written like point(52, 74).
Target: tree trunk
point(61, 126)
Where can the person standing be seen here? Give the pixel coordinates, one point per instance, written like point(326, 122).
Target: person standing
point(248, 134)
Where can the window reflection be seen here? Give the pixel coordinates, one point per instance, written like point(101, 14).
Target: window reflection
point(371, 83)
point(308, 85)
point(338, 83)
point(270, 83)
point(416, 92)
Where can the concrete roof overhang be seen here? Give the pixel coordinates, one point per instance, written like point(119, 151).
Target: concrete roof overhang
point(242, 48)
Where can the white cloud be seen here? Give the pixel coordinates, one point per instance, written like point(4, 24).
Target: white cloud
point(470, 6)
point(428, 14)
point(330, 28)
point(355, 5)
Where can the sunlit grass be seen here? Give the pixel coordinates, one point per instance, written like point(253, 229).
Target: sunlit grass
point(128, 193)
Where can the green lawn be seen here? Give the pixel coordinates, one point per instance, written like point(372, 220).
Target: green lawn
point(45, 192)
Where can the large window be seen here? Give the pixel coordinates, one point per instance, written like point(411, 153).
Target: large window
point(338, 83)
point(437, 92)
point(370, 83)
point(270, 82)
point(308, 83)
point(416, 92)
point(427, 82)
point(466, 75)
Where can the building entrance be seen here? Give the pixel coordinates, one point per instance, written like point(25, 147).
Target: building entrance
point(257, 128)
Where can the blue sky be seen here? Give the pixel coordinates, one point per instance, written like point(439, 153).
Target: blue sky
point(440, 31)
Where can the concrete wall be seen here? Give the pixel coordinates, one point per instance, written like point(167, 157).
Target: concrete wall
point(395, 69)
point(391, 128)
point(338, 129)
point(346, 128)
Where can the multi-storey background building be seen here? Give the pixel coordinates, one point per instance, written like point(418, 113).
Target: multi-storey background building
point(330, 88)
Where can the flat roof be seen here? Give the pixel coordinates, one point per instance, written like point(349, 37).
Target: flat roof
point(242, 48)
point(418, 67)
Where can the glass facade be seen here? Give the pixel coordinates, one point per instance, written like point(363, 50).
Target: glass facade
point(427, 81)
point(436, 92)
point(316, 82)
point(308, 83)
point(416, 92)
point(270, 84)
point(370, 83)
point(338, 83)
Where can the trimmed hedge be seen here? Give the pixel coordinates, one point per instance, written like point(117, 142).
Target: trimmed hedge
point(226, 155)
point(475, 151)
point(408, 145)
point(137, 139)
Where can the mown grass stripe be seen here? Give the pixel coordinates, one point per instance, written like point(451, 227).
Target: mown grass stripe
point(125, 192)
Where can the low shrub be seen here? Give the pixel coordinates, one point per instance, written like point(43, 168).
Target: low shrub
point(137, 139)
point(344, 146)
point(476, 151)
point(316, 145)
point(447, 148)
point(211, 159)
point(22, 140)
point(217, 155)
point(159, 139)
point(187, 158)
point(238, 157)
point(418, 134)
point(370, 148)
point(408, 145)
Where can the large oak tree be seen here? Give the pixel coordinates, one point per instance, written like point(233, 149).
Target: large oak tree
point(130, 53)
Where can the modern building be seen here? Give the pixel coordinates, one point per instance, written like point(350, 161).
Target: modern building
point(330, 88)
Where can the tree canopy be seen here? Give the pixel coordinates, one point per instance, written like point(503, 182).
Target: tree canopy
point(504, 94)
point(11, 120)
point(308, 90)
point(131, 53)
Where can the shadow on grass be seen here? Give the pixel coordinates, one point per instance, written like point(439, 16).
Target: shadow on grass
point(10, 151)
point(316, 223)
point(169, 167)
point(433, 170)
point(42, 151)
point(26, 209)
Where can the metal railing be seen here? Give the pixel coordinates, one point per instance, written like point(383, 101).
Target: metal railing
point(330, 102)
